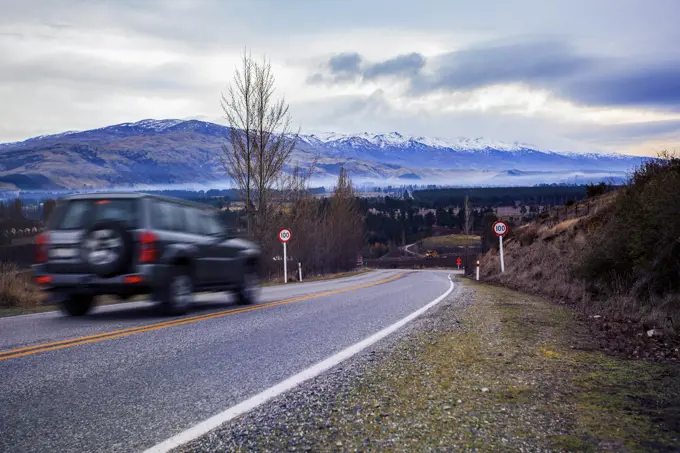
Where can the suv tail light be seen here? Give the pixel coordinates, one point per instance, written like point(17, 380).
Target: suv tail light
point(41, 243)
point(148, 250)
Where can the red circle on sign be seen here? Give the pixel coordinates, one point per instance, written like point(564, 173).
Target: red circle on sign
point(285, 235)
point(500, 228)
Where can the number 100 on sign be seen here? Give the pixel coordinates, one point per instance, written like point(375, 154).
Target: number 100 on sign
point(285, 235)
point(500, 229)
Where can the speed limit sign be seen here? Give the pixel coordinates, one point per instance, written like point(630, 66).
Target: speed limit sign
point(285, 235)
point(500, 228)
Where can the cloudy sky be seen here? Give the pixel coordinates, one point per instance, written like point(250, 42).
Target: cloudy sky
point(581, 75)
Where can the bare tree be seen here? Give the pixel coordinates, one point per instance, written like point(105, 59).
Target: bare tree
point(260, 141)
point(274, 143)
point(238, 106)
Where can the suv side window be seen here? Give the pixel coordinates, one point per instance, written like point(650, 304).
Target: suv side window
point(212, 224)
point(167, 216)
point(195, 221)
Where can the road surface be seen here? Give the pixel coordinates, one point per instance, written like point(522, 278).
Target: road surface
point(408, 250)
point(128, 379)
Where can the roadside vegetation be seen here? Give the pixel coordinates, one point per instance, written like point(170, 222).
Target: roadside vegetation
point(16, 288)
point(618, 261)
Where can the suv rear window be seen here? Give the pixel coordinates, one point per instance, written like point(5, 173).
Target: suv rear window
point(167, 216)
point(82, 214)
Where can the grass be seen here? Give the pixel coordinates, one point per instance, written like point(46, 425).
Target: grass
point(509, 372)
point(450, 240)
point(16, 289)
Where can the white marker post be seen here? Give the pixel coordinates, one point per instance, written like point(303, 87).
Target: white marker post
point(300, 270)
point(284, 236)
point(478, 270)
point(500, 229)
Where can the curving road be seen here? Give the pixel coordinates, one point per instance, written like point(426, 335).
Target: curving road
point(125, 379)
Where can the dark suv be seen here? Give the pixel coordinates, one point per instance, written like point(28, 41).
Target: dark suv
point(127, 244)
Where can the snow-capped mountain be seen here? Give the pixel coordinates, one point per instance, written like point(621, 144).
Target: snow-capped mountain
point(397, 140)
point(176, 151)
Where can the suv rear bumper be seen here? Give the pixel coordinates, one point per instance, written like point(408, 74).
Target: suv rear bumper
point(145, 281)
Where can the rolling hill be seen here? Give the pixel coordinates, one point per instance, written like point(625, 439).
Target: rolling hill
point(154, 153)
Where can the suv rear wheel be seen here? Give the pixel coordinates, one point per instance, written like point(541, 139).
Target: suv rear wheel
point(249, 291)
point(77, 304)
point(179, 294)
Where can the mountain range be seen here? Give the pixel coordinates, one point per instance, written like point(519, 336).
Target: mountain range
point(160, 153)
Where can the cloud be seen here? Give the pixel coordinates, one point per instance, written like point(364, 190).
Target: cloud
point(641, 84)
point(538, 63)
point(96, 75)
point(552, 73)
point(557, 67)
point(345, 63)
point(623, 133)
point(548, 65)
point(351, 66)
point(379, 112)
point(401, 65)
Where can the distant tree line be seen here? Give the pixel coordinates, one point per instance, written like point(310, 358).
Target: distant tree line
point(501, 196)
point(395, 221)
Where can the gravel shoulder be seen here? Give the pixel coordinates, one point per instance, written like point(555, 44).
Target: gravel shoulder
point(489, 369)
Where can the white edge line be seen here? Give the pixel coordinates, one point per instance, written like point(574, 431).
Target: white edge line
point(251, 403)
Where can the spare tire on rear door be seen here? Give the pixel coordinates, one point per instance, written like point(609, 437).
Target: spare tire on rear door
point(107, 248)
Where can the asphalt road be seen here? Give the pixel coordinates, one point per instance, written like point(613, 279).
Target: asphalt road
point(130, 379)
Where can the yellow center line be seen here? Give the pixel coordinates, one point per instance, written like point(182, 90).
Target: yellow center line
point(46, 347)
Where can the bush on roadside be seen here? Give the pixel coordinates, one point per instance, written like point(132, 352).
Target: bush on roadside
point(637, 249)
point(16, 289)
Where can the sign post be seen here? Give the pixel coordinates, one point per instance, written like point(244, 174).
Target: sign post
point(477, 270)
point(458, 262)
point(284, 236)
point(300, 270)
point(500, 229)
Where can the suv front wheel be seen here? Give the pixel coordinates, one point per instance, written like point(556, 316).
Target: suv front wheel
point(249, 291)
point(77, 304)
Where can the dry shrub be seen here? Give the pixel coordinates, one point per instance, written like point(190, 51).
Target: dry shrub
point(539, 268)
point(622, 259)
point(528, 236)
point(638, 244)
point(328, 233)
point(16, 289)
point(657, 312)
